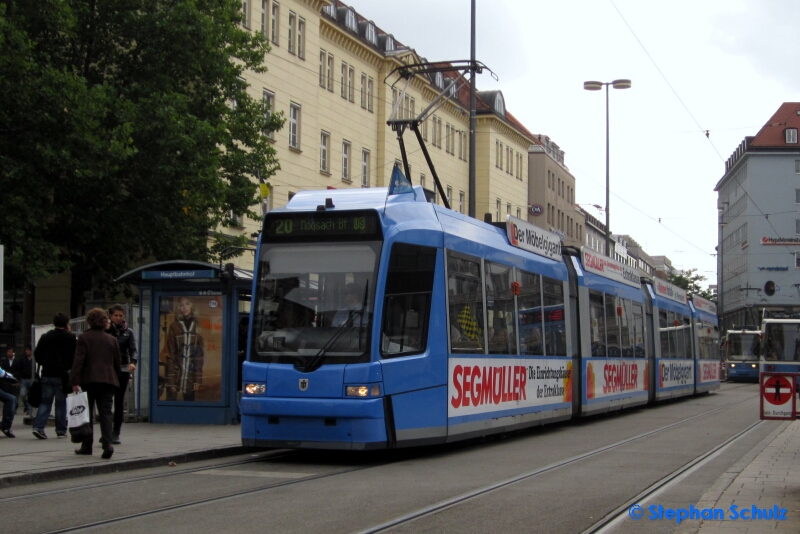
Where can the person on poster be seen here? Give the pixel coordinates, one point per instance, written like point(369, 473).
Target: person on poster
point(185, 353)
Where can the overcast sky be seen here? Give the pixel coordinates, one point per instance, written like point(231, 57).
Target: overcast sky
point(719, 65)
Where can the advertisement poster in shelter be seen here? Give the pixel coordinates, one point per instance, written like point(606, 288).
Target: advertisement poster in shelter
point(190, 348)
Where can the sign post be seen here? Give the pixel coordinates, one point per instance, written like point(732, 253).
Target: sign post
point(778, 400)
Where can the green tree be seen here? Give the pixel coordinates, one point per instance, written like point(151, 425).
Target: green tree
point(690, 281)
point(126, 133)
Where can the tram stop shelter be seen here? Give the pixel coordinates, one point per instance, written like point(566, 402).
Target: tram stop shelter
point(188, 332)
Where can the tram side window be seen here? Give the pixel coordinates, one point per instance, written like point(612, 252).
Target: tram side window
point(465, 289)
point(667, 345)
point(597, 323)
point(554, 325)
point(638, 331)
point(500, 309)
point(529, 302)
point(683, 337)
point(407, 304)
point(613, 312)
point(625, 314)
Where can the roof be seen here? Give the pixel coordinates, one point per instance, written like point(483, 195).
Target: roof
point(772, 134)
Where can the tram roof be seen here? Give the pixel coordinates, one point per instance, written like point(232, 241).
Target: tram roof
point(349, 199)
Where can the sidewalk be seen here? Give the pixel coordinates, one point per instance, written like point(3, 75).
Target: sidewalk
point(765, 479)
point(27, 460)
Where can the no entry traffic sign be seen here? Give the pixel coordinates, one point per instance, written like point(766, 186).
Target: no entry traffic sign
point(778, 396)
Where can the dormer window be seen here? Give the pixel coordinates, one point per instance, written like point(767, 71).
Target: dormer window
point(389, 43)
point(499, 104)
point(330, 11)
point(371, 34)
point(350, 21)
point(452, 89)
point(791, 135)
point(439, 80)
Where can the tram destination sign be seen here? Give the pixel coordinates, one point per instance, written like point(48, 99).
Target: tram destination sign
point(322, 226)
point(526, 236)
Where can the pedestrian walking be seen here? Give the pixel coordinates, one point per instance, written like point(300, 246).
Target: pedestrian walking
point(9, 401)
point(127, 349)
point(10, 363)
point(54, 354)
point(95, 370)
point(25, 369)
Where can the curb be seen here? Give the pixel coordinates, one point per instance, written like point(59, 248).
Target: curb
point(125, 465)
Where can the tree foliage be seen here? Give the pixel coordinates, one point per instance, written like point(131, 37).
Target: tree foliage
point(690, 281)
point(126, 132)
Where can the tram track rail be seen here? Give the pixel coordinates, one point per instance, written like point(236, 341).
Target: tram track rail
point(407, 518)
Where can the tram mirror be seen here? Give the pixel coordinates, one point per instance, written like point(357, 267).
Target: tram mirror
point(769, 288)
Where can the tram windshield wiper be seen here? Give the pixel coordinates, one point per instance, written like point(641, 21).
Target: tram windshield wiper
point(317, 360)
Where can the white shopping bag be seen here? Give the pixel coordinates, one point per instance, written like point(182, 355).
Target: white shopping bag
point(77, 409)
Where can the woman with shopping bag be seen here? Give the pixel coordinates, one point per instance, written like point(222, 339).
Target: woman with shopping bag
point(94, 370)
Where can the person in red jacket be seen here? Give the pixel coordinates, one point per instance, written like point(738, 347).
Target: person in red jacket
point(95, 369)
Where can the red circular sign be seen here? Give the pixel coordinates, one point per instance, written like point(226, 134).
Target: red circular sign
point(777, 390)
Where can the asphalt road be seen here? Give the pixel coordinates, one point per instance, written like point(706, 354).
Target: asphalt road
point(540, 480)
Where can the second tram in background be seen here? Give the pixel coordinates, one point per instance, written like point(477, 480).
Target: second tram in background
point(380, 320)
point(742, 349)
point(780, 348)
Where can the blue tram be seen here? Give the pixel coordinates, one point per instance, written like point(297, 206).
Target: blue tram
point(742, 348)
point(381, 320)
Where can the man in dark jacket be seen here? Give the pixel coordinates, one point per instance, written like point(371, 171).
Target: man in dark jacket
point(10, 364)
point(25, 377)
point(127, 349)
point(54, 352)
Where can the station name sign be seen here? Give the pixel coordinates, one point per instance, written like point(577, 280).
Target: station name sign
point(178, 275)
point(526, 236)
point(669, 291)
point(609, 268)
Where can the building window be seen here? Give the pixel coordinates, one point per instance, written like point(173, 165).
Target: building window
point(346, 161)
point(447, 137)
point(294, 125)
point(322, 56)
point(501, 156)
point(797, 166)
point(461, 198)
point(344, 80)
point(519, 213)
point(268, 99)
point(371, 35)
point(330, 72)
point(797, 260)
point(276, 9)
point(422, 180)
point(369, 94)
point(797, 196)
point(797, 226)
point(264, 19)
point(508, 209)
point(351, 83)
point(365, 168)
point(292, 30)
point(363, 90)
point(791, 135)
point(439, 131)
point(301, 38)
point(450, 196)
point(425, 130)
point(324, 143)
point(246, 13)
point(497, 211)
point(350, 20)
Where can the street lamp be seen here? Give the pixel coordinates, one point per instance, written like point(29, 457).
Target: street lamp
point(596, 86)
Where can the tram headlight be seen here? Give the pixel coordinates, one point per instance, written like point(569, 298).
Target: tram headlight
point(753, 365)
point(363, 391)
point(733, 365)
point(255, 389)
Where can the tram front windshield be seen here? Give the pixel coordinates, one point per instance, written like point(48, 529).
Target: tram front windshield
point(741, 347)
point(314, 303)
point(782, 341)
